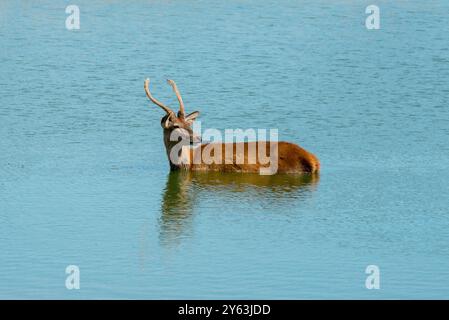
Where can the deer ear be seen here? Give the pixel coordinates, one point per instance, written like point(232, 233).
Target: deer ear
point(192, 116)
point(166, 122)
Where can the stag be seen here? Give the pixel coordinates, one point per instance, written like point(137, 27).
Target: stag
point(186, 152)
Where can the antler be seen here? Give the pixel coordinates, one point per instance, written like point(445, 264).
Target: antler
point(154, 100)
point(181, 113)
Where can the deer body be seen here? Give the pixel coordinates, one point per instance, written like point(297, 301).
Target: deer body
point(291, 159)
point(245, 157)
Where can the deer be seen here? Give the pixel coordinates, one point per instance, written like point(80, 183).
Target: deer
point(186, 151)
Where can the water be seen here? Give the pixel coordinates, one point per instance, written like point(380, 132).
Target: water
point(84, 178)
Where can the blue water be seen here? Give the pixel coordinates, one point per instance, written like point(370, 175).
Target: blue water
point(84, 178)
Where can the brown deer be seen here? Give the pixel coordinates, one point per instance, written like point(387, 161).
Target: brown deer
point(251, 157)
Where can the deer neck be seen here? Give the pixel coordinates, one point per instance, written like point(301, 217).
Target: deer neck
point(184, 149)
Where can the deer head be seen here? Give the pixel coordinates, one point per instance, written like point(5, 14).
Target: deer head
point(180, 124)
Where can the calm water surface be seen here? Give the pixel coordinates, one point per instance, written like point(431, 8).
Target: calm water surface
point(84, 178)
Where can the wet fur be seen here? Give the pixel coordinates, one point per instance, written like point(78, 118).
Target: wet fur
point(291, 159)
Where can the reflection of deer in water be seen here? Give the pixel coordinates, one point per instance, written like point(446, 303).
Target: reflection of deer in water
point(183, 190)
point(226, 157)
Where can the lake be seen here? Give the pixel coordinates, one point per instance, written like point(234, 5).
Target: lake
point(84, 178)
